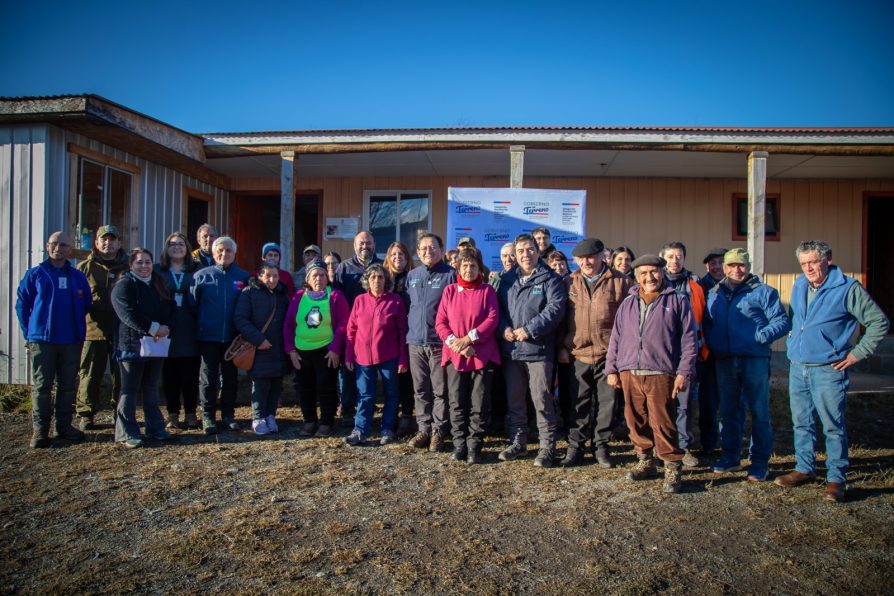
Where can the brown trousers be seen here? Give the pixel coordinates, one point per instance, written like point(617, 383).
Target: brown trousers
point(651, 414)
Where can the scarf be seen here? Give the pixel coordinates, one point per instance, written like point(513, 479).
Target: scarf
point(146, 280)
point(315, 295)
point(470, 285)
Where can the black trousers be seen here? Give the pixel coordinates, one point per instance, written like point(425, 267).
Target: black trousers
point(316, 383)
point(180, 377)
point(216, 374)
point(594, 403)
point(469, 397)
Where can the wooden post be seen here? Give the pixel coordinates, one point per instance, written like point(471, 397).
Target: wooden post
point(516, 165)
point(289, 172)
point(757, 209)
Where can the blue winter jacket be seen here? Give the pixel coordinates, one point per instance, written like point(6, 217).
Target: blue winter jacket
point(215, 291)
point(744, 320)
point(537, 305)
point(821, 333)
point(425, 287)
point(41, 306)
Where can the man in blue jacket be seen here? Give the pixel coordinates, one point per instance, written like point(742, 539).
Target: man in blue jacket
point(826, 307)
point(532, 305)
point(743, 317)
point(215, 292)
point(52, 305)
point(425, 286)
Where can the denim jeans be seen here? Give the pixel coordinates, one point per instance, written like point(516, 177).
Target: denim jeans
point(684, 398)
point(738, 378)
point(366, 395)
point(216, 373)
point(347, 388)
point(265, 393)
point(140, 377)
point(819, 390)
point(53, 364)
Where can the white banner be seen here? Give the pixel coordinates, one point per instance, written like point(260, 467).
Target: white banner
point(495, 216)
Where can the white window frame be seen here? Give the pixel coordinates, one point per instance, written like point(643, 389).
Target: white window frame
point(397, 193)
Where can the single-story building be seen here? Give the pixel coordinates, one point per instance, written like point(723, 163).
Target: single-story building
point(76, 162)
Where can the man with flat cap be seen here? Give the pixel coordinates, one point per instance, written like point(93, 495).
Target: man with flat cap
point(705, 389)
point(651, 354)
point(595, 294)
point(743, 317)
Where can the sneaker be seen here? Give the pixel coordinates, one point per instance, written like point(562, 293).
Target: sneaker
point(573, 457)
point(518, 448)
point(260, 427)
point(133, 443)
point(545, 458)
point(231, 423)
point(793, 479)
point(460, 453)
point(325, 430)
point(673, 477)
point(209, 425)
point(725, 465)
point(271, 424)
point(387, 438)
point(420, 440)
point(85, 423)
point(757, 473)
point(39, 440)
point(308, 429)
point(69, 433)
point(644, 468)
point(437, 442)
point(172, 422)
point(690, 460)
point(355, 438)
point(405, 426)
point(190, 421)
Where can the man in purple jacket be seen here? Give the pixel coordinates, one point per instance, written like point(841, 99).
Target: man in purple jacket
point(651, 354)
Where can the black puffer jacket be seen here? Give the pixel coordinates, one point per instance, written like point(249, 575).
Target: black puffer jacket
point(137, 305)
point(253, 307)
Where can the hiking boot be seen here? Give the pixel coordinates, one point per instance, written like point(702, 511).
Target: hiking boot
point(231, 423)
point(546, 458)
point(405, 426)
point(172, 422)
point(387, 438)
point(69, 433)
point(325, 430)
point(573, 457)
point(673, 477)
point(209, 425)
point(690, 460)
point(834, 492)
point(355, 438)
point(39, 440)
point(793, 479)
point(271, 424)
point(460, 453)
point(474, 456)
point(645, 468)
point(133, 443)
point(308, 429)
point(420, 440)
point(437, 442)
point(190, 421)
point(260, 427)
point(725, 465)
point(518, 448)
point(86, 423)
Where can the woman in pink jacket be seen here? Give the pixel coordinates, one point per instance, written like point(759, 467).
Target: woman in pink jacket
point(376, 345)
point(467, 320)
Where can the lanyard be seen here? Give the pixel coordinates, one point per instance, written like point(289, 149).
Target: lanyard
point(178, 279)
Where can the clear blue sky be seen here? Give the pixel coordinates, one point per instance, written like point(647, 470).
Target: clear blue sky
point(314, 65)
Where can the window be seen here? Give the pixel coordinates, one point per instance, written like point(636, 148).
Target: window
point(396, 215)
point(104, 197)
point(740, 217)
point(198, 206)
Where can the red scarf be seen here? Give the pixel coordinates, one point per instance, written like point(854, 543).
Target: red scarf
point(469, 285)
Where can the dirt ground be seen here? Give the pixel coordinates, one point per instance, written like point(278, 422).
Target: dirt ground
point(238, 513)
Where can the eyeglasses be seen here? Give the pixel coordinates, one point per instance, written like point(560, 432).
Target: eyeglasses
point(181, 244)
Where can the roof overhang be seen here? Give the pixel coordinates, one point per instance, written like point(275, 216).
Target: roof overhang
point(116, 126)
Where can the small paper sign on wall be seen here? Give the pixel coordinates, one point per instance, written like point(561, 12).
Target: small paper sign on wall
point(341, 228)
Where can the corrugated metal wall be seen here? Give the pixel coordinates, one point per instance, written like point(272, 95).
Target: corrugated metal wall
point(35, 178)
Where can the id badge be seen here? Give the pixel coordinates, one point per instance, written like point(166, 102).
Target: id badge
point(63, 283)
point(178, 298)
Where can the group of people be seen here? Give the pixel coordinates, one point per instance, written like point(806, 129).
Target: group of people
point(627, 339)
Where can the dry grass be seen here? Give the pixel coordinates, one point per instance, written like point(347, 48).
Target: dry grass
point(239, 514)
